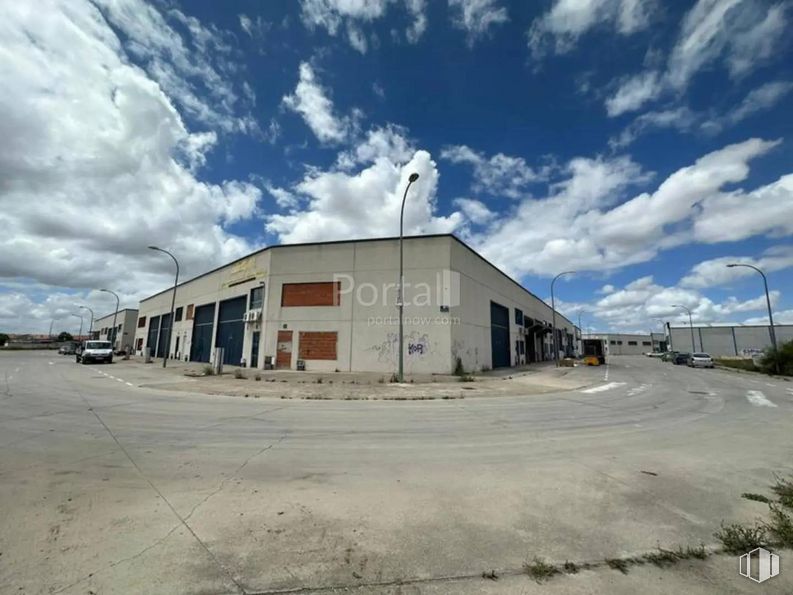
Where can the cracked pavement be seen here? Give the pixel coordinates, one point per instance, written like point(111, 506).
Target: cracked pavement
point(111, 488)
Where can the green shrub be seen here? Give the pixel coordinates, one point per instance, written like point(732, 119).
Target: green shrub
point(238, 374)
point(738, 539)
point(740, 364)
point(779, 361)
point(208, 370)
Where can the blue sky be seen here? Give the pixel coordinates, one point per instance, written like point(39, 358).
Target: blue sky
point(641, 144)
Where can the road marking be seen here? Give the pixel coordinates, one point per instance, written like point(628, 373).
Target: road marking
point(129, 384)
point(758, 399)
point(606, 375)
point(52, 363)
point(119, 380)
point(603, 387)
point(638, 390)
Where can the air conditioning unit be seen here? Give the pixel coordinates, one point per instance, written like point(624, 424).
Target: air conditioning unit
point(252, 315)
point(246, 317)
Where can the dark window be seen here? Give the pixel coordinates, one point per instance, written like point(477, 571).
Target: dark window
point(518, 316)
point(257, 294)
point(178, 314)
point(141, 322)
point(612, 342)
point(646, 343)
point(619, 342)
point(632, 343)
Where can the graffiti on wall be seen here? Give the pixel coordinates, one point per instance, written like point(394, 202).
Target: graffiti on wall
point(416, 345)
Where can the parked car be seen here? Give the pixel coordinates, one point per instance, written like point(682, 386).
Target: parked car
point(67, 349)
point(681, 359)
point(95, 351)
point(700, 360)
point(658, 354)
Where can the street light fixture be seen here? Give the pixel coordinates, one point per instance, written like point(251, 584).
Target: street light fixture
point(80, 334)
point(768, 303)
point(173, 303)
point(91, 329)
point(553, 308)
point(690, 326)
point(115, 314)
point(400, 301)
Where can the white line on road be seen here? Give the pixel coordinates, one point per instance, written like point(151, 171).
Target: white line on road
point(52, 363)
point(758, 399)
point(603, 387)
point(129, 384)
point(638, 390)
point(606, 376)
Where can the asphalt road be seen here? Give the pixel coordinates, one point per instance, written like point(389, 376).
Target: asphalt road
point(112, 488)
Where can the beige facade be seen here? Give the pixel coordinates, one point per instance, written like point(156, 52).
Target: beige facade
point(631, 344)
point(332, 306)
point(726, 340)
point(126, 321)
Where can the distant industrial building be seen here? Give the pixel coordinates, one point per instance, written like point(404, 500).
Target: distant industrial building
point(630, 344)
point(123, 337)
point(727, 340)
point(333, 306)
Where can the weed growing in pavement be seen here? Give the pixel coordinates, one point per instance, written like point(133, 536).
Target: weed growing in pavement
point(756, 497)
point(258, 377)
point(739, 539)
point(467, 378)
point(208, 370)
point(618, 564)
point(780, 526)
point(238, 374)
point(540, 570)
point(570, 567)
point(784, 489)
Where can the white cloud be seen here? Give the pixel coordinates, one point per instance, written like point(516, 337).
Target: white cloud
point(96, 162)
point(476, 211)
point(254, 28)
point(350, 15)
point(559, 29)
point(388, 141)
point(310, 100)
point(633, 92)
point(681, 119)
point(780, 317)
point(762, 98)
point(714, 272)
point(191, 68)
point(283, 198)
point(578, 227)
point(366, 203)
point(476, 17)
point(607, 289)
point(740, 34)
point(499, 175)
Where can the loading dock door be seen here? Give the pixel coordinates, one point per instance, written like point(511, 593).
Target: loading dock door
point(151, 338)
point(203, 322)
point(162, 348)
point(231, 329)
point(499, 335)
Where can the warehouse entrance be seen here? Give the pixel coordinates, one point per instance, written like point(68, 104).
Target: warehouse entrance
point(165, 326)
point(201, 344)
point(499, 335)
point(151, 338)
point(231, 329)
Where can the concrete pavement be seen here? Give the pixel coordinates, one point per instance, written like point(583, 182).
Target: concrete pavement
point(111, 488)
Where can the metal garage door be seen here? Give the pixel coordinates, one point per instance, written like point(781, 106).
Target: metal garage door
point(499, 335)
point(203, 323)
point(151, 338)
point(231, 329)
point(162, 348)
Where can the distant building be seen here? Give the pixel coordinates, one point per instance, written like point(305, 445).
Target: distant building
point(727, 339)
point(630, 344)
point(123, 337)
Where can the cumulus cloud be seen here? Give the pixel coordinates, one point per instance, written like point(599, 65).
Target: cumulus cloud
point(738, 34)
point(559, 29)
point(96, 161)
point(476, 17)
point(714, 272)
point(366, 203)
point(585, 224)
point(310, 100)
point(499, 175)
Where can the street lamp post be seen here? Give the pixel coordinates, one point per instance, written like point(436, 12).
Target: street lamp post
point(115, 314)
point(91, 328)
point(400, 301)
point(690, 326)
point(173, 303)
point(663, 328)
point(553, 315)
point(768, 303)
point(80, 334)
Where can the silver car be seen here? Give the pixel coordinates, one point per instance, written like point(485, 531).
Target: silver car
point(700, 360)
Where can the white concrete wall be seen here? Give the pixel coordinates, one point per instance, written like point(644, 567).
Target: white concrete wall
point(481, 283)
point(727, 341)
point(620, 343)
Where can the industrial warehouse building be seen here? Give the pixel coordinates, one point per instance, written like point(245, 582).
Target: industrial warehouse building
point(727, 340)
point(332, 306)
point(124, 335)
point(630, 344)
